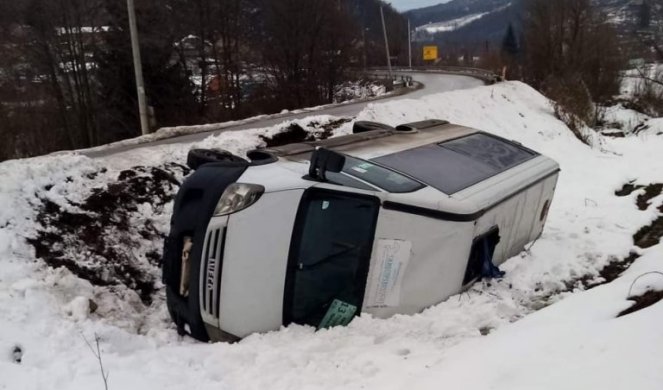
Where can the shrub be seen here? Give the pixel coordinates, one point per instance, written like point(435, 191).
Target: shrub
point(648, 94)
point(572, 102)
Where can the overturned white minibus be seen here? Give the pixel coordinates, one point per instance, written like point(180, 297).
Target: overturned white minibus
point(384, 221)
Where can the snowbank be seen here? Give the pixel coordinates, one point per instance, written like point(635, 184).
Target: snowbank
point(493, 336)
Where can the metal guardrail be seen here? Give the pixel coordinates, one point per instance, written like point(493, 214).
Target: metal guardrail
point(399, 80)
point(399, 77)
point(483, 74)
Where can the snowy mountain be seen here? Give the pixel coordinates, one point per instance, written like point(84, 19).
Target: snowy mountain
point(487, 26)
point(455, 24)
point(472, 21)
point(454, 9)
point(465, 20)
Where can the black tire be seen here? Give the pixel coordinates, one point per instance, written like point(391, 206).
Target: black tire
point(261, 157)
point(194, 205)
point(186, 311)
point(198, 157)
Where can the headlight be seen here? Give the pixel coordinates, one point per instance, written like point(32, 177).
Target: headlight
point(236, 197)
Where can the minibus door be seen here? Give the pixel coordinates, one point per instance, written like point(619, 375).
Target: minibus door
point(329, 257)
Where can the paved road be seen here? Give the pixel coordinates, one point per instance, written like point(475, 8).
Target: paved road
point(433, 83)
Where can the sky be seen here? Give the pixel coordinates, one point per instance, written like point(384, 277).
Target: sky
point(404, 5)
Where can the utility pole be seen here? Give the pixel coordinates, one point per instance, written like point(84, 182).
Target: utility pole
point(409, 43)
point(386, 43)
point(138, 69)
point(363, 38)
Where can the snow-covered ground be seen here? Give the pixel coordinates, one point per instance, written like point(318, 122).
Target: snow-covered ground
point(455, 24)
point(348, 93)
point(451, 25)
point(628, 122)
point(625, 121)
point(534, 329)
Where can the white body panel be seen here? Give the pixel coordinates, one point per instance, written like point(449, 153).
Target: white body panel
point(440, 249)
point(518, 219)
point(285, 175)
point(439, 243)
point(254, 265)
point(436, 264)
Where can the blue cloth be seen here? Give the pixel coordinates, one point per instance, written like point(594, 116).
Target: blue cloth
point(488, 269)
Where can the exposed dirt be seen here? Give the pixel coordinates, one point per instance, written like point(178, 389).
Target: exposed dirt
point(643, 301)
point(628, 189)
point(17, 354)
point(292, 134)
point(105, 239)
point(651, 191)
point(614, 269)
point(645, 237)
point(649, 235)
point(295, 133)
point(614, 134)
point(329, 127)
point(606, 275)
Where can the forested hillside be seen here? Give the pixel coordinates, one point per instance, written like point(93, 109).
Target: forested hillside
point(67, 77)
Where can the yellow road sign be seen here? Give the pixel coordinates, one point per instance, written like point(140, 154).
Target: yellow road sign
point(430, 53)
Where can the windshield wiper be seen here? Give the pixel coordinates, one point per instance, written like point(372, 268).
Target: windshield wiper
point(315, 264)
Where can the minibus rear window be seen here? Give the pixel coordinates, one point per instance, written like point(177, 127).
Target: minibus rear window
point(454, 165)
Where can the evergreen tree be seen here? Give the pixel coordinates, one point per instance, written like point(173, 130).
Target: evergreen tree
point(510, 43)
point(644, 16)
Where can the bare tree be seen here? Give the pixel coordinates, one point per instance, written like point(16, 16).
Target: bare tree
point(648, 92)
point(304, 49)
point(64, 34)
point(568, 40)
point(66, 77)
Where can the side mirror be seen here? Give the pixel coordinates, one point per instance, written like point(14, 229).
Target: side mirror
point(325, 160)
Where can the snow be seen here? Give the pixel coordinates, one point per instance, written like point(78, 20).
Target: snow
point(527, 330)
point(632, 78)
point(455, 24)
point(629, 122)
point(576, 343)
point(359, 90)
point(451, 25)
point(368, 93)
point(82, 30)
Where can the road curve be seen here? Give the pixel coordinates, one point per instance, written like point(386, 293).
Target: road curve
point(433, 83)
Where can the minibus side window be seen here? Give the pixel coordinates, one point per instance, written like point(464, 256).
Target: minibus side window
point(329, 255)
